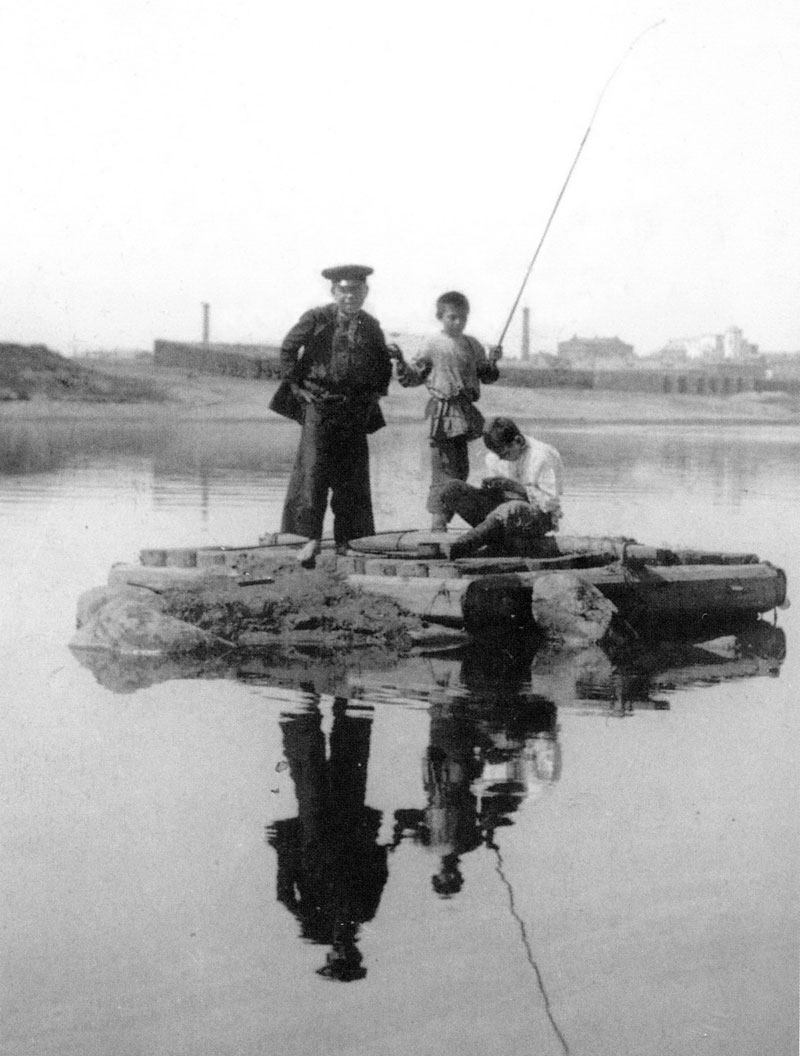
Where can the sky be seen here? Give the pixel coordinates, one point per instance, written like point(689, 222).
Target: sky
point(158, 155)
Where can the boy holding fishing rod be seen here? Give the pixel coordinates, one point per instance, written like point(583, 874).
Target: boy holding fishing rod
point(452, 365)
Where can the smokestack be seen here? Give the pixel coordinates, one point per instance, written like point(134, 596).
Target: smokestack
point(206, 322)
point(526, 333)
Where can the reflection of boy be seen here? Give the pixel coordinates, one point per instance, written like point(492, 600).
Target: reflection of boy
point(520, 500)
point(452, 364)
point(476, 775)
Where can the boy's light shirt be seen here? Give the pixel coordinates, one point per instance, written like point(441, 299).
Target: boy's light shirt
point(454, 365)
point(539, 470)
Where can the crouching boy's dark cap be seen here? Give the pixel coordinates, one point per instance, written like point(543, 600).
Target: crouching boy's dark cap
point(347, 272)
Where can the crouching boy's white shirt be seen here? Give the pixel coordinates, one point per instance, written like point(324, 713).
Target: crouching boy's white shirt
point(539, 470)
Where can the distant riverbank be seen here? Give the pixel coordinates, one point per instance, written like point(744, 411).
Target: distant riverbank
point(210, 397)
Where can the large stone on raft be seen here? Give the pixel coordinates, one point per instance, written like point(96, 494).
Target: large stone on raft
point(566, 607)
point(92, 600)
point(135, 626)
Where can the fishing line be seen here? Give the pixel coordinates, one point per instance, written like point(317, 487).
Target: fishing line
point(526, 944)
point(515, 305)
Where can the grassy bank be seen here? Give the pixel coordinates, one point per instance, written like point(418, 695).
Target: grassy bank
point(34, 373)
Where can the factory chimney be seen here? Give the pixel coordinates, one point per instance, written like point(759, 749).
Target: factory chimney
point(526, 333)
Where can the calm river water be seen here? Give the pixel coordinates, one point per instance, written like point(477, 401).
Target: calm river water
point(536, 853)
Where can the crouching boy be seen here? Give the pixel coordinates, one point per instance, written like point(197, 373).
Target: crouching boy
point(517, 503)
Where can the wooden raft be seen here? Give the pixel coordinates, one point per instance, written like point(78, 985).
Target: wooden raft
point(647, 584)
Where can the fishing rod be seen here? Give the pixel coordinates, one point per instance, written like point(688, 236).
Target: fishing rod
point(523, 931)
point(515, 305)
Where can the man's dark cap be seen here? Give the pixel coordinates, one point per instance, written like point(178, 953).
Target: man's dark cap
point(351, 272)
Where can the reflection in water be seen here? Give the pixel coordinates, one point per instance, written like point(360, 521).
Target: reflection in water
point(476, 773)
point(176, 450)
point(486, 749)
point(490, 741)
point(331, 869)
point(592, 676)
point(757, 649)
point(328, 671)
point(727, 462)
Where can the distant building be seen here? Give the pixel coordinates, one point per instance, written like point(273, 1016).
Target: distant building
point(735, 347)
point(596, 353)
point(710, 348)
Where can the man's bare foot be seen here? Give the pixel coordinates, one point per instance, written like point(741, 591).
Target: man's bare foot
point(307, 554)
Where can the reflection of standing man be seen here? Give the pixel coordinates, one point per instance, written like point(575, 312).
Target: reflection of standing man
point(335, 366)
point(331, 870)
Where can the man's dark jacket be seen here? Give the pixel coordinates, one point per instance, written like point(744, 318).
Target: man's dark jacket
point(354, 382)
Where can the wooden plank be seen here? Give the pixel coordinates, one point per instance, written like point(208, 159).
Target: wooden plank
point(413, 569)
point(182, 557)
point(691, 591)
point(281, 539)
point(635, 554)
point(406, 566)
point(592, 544)
point(434, 599)
point(675, 591)
point(406, 541)
point(495, 565)
point(153, 558)
point(715, 557)
point(160, 579)
point(207, 557)
point(232, 556)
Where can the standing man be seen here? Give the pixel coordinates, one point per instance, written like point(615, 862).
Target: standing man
point(335, 366)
